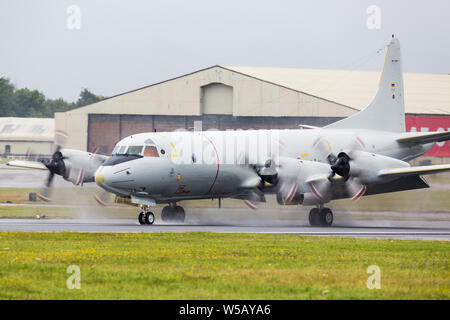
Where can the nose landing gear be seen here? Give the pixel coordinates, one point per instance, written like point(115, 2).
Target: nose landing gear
point(146, 217)
point(320, 217)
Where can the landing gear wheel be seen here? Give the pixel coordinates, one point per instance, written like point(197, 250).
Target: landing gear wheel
point(141, 218)
point(149, 218)
point(326, 217)
point(314, 218)
point(179, 214)
point(167, 214)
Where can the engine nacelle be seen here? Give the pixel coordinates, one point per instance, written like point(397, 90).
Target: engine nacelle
point(295, 172)
point(296, 200)
point(366, 166)
point(80, 166)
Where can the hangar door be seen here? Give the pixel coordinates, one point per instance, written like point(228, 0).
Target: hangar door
point(217, 98)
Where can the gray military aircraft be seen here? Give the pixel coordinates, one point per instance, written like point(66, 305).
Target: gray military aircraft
point(364, 154)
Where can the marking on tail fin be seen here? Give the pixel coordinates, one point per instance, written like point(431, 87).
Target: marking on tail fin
point(384, 66)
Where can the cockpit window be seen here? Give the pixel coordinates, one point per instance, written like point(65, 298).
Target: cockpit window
point(121, 150)
point(115, 150)
point(134, 150)
point(151, 151)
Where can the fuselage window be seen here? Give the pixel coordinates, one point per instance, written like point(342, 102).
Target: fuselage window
point(151, 151)
point(136, 150)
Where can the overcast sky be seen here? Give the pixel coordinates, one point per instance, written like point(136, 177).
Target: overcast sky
point(123, 45)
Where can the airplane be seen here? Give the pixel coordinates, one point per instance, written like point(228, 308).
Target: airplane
point(364, 154)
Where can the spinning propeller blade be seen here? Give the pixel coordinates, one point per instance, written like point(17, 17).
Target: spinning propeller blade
point(339, 165)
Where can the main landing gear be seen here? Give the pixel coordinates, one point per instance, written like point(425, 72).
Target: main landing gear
point(173, 213)
point(320, 217)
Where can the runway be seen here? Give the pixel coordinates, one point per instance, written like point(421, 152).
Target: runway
point(436, 230)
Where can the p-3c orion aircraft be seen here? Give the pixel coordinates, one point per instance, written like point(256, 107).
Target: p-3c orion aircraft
point(364, 154)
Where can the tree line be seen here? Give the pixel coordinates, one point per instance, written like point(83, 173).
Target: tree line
point(32, 103)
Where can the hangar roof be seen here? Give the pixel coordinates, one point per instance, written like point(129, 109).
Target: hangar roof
point(27, 129)
point(424, 93)
point(341, 92)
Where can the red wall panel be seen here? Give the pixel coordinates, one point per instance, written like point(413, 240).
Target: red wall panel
point(431, 123)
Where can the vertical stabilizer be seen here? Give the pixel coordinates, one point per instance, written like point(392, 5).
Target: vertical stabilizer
point(386, 112)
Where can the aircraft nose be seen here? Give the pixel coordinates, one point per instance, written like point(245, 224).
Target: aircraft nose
point(99, 178)
point(102, 177)
point(111, 179)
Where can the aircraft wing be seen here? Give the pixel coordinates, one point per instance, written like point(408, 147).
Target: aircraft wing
point(413, 171)
point(27, 164)
point(423, 137)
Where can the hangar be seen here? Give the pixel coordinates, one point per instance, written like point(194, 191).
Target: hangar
point(19, 136)
point(251, 97)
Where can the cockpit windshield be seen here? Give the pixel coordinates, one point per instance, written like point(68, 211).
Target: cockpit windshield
point(119, 150)
point(149, 149)
point(134, 150)
point(127, 150)
point(125, 153)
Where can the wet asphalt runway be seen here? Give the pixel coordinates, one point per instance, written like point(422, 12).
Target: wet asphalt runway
point(374, 225)
point(435, 230)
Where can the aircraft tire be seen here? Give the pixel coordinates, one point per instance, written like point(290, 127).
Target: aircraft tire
point(314, 217)
point(179, 214)
point(141, 218)
point(149, 218)
point(326, 217)
point(168, 214)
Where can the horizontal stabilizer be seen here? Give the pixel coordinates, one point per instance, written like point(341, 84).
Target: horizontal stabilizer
point(413, 171)
point(27, 164)
point(423, 137)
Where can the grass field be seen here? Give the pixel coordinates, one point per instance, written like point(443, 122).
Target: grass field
point(219, 266)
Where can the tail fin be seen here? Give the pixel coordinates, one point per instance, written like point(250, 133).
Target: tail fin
point(386, 112)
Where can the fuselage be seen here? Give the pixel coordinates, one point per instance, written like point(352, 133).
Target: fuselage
point(174, 166)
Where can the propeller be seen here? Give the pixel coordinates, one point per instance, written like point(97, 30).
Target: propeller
point(55, 165)
point(101, 198)
point(282, 173)
point(30, 155)
point(339, 165)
